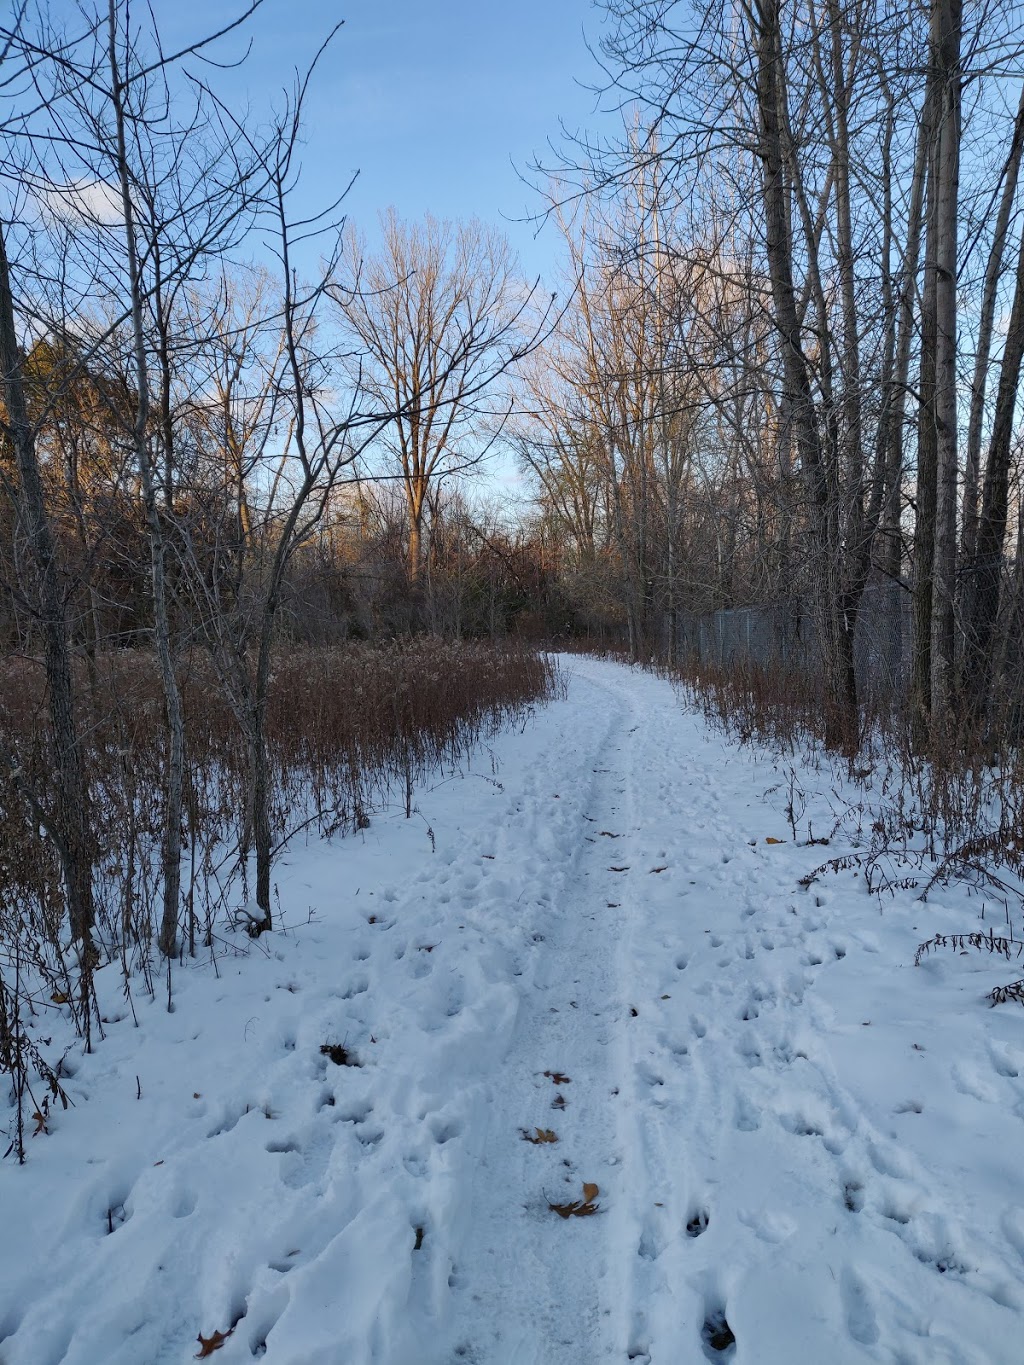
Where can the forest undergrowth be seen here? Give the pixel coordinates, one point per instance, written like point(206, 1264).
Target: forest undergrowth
point(906, 816)
point(350, 731)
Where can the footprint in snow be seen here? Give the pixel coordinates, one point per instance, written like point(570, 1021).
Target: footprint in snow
point(746, 1119)
point(697, 1223)
point(861, 1322)
point(717, 1336)
point(770, 1226)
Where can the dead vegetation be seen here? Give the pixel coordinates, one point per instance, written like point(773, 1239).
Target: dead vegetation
point(915, 818)
point(351, 730)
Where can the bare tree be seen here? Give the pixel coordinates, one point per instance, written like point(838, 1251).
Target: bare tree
point(178, 208)
point(69, 823)
point(440, 318)
point(284, 443)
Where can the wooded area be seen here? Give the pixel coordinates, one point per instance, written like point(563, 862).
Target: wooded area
point(785, 271)
point(781, 373)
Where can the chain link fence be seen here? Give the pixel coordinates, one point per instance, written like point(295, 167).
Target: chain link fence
point(783, 635)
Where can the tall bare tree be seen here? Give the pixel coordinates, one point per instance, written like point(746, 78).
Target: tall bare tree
point(439, 318)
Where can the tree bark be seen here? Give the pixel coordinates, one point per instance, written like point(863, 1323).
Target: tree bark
point(174, 781)
point(927, 463)
point(986, 567)
point(979, 383)
point(837, 654)
point(75, 844)
point(946, 20)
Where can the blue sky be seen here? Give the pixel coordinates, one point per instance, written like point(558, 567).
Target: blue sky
point(433, 104)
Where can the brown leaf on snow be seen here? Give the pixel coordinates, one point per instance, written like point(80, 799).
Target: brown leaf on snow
point(558, 1077)
point(573, 1210)
point(558, 1102)
point(539, 1135)
point(662, 868)
point(770, 840)
point(207, 1345)
point(578, 1208)
point(619, 869)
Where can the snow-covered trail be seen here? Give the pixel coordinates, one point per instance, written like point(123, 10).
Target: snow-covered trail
point(804, 1148)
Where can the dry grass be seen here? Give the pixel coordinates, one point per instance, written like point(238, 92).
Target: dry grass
point(350, 729)
point(954, 813)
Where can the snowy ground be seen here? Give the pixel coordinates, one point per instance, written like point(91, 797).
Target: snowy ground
point(793, 1131)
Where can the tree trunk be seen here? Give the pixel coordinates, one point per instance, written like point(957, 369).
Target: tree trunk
point(891, 428)
point(927, 456)
point(174, 780)
point(946, 18)
point(259, 768)
point(836, 648)
point(993, 273)
point(75, 845)
point(986, 569)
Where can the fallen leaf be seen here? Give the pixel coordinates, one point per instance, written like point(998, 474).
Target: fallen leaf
point(59, 998)
point(40, 1124)
point(539, 1135)
point(607, 834)
point(666, 997)
point(663, 868)
point(619, 869)
point(573, 1210)
point(557, 1077)
point(196, 1095)
point(558, 1102)
point(564, 1210)
point(159, 1163)
point(578, 1208)
point(207, 1345)
point(770, 840)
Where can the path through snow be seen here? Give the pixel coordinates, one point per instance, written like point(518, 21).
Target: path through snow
point(805, 1149)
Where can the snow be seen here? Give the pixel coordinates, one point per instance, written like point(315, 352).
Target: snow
point(793, 1130)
